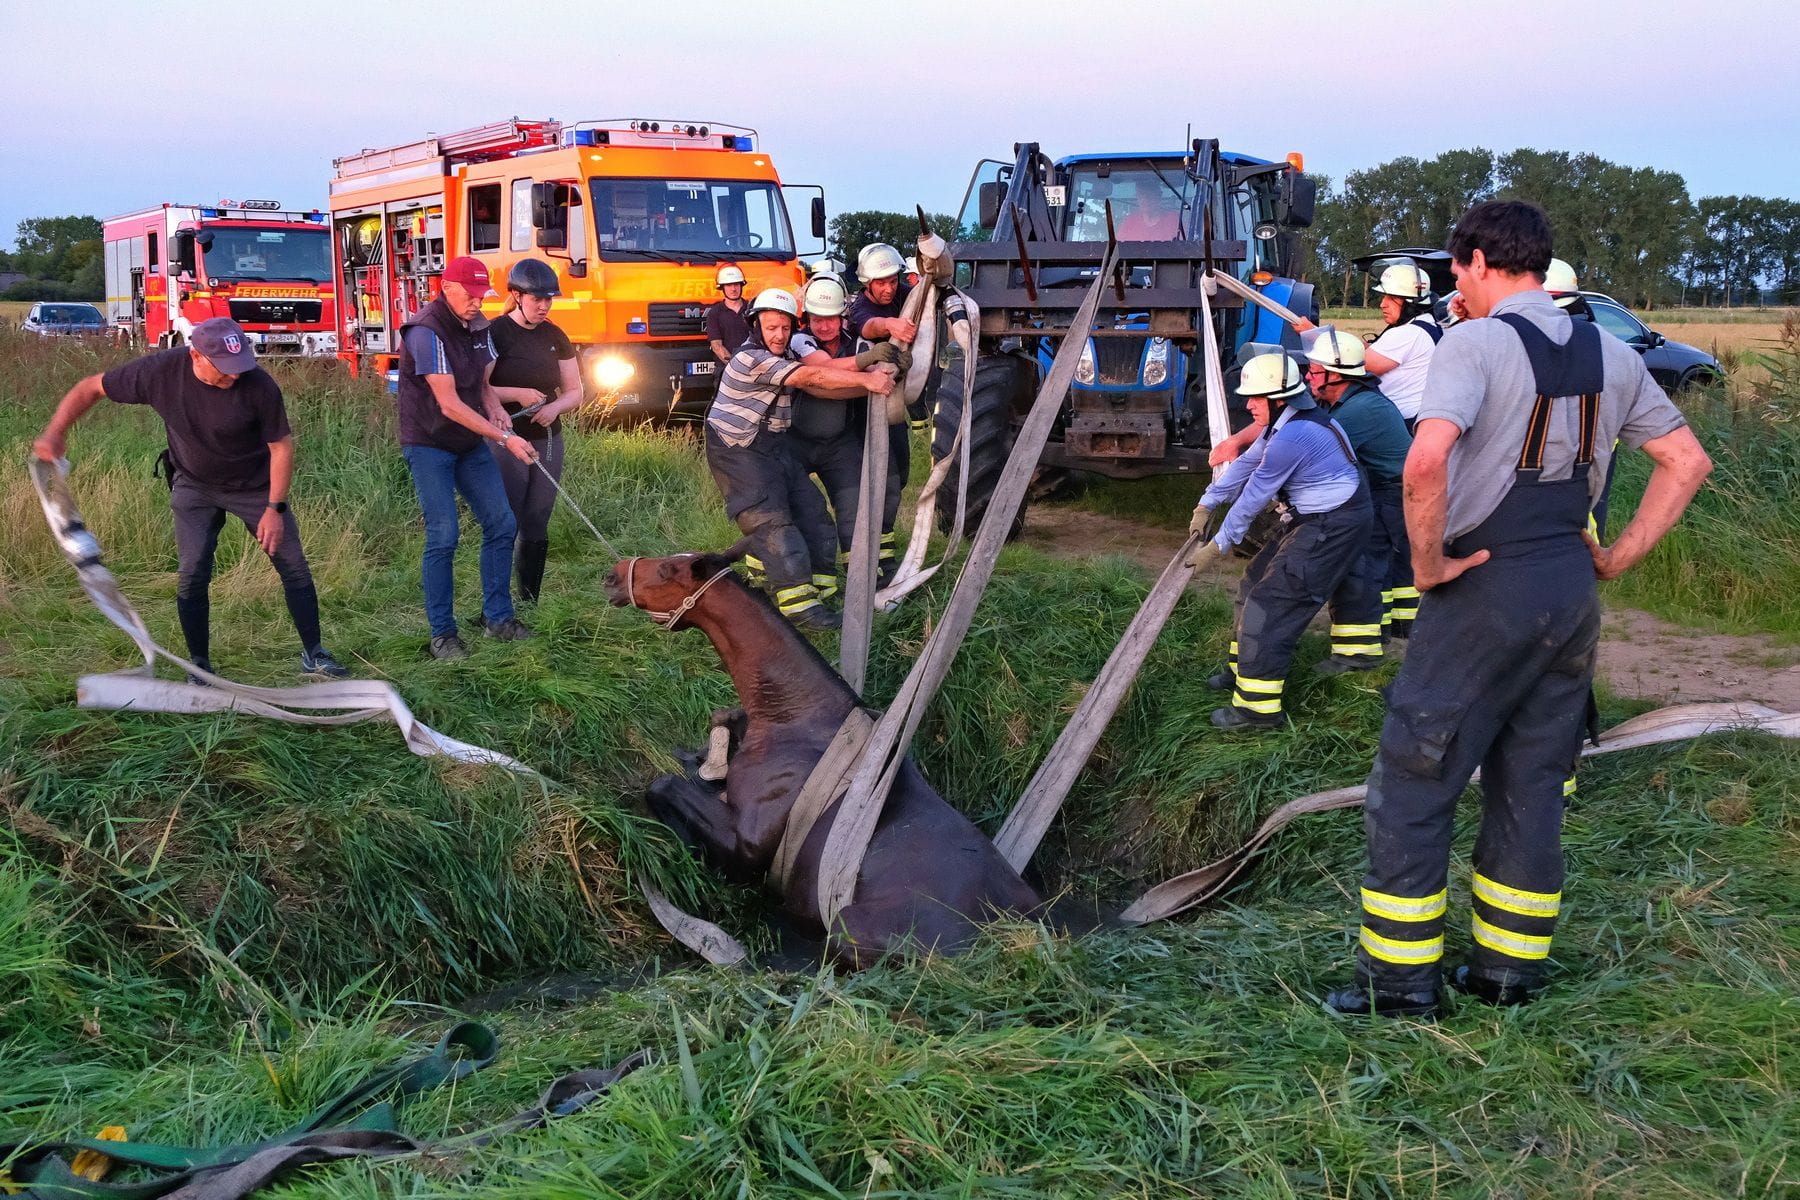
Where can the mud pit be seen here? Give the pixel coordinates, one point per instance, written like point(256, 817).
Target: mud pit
point(1641, 656)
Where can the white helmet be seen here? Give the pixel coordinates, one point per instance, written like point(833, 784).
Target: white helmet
point(1405, 281)
point(878, 260)
point(728, 274)
point(1338, 352)
point(1274, 377)
point(824, 297)
point(773, 300)
point(912, 265)
point(1560, 282)
point(824, 266)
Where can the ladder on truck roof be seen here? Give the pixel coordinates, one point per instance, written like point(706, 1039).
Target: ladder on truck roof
point(483, 143)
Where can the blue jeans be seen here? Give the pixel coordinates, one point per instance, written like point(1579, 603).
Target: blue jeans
point(437, 476)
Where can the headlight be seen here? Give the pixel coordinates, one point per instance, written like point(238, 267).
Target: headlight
point(1084, 369)
point(612, 372)
point(1156, 362)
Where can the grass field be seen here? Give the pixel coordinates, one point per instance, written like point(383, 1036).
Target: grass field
point(208, 925)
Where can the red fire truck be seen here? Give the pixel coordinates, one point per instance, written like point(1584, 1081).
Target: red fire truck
point(170, 267)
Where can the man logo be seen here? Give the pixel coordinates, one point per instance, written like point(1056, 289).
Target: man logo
point(693, 314)
point(233, 344)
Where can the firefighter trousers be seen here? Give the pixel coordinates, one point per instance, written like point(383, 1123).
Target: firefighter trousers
point(1399, 598)
point(1286, 585)
point(772, 500)
point(1497, 676)
point(1357, 604)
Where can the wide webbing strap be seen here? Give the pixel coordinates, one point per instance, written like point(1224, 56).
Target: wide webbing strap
point(881, 759)
point(1674, 724)
point(342, 702)
point(1575, 368)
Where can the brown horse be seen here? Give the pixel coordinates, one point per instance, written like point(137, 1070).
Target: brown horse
point(929, 878)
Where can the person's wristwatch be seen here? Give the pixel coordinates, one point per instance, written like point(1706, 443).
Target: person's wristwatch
point(278, 506)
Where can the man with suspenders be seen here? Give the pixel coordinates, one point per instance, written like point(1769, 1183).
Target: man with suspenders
point(1516, 428)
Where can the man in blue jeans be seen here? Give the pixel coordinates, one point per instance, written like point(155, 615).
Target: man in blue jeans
point(447, 410)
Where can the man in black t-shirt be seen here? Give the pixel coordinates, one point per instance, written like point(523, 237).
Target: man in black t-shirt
point(230, 451)
point(728, 319)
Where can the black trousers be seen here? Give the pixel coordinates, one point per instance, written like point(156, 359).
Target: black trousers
point(1497, 676)
point(1399, 598)
point(200, 511)
point(837, 462)
point(1287, 583)
point(772, 499)
point(1357, 604)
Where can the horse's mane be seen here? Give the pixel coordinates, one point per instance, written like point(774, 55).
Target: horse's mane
point(790, 635)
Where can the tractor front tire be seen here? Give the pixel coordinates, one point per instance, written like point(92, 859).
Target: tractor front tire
point(997, 378)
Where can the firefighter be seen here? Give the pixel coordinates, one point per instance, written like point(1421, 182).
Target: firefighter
point(1508, 455)
point(1401, 354)
point(447, 408)
point(827, 435)
point(726, 319)
point(230, 453)
point(1304, 463)
point(535, 367)
point(875, 317)
point(912, 271)
point(1337, 376)
point(772, 500)
point(1565, 289)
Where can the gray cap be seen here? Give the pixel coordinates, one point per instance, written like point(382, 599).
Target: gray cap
point(222, 341)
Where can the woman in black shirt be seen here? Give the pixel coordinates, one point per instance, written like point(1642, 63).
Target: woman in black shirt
point(536, 363)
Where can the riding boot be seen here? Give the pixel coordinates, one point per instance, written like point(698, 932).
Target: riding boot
point(531, 569)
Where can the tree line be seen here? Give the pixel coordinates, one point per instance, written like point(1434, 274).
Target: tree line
point(1632, 232)
point(60, 258)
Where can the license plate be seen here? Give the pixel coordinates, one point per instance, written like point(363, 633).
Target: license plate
point(702, 368)
point(283, 339)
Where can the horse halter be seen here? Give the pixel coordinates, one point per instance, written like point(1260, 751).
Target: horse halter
point(667, 619)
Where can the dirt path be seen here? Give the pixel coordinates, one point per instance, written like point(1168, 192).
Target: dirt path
point(1641, 655)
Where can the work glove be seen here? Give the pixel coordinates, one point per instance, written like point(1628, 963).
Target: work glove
point(1204, 555)
point(1202, 515)
point(903, 360)
point(880, 352)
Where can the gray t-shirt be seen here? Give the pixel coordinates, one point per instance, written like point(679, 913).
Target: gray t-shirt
point(1481, 380)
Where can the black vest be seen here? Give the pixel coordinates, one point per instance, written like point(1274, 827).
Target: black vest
point(422, 423)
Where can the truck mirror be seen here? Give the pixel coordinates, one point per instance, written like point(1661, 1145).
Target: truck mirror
point(549, 210)
point(1298, 195)
point(993, 193)
point(552, 239)
point(818, 216)
point(577, 269)
point(205, 238)
point(184, 253)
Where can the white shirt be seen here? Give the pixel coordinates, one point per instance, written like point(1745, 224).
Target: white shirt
point(1411, 348)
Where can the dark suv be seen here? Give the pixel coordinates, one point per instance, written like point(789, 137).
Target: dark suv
point(1675, 365)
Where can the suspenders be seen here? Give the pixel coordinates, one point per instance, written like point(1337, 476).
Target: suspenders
point(1574, 369)
point(1431, 328)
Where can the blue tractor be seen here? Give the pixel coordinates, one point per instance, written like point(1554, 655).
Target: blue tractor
point(1137, 406)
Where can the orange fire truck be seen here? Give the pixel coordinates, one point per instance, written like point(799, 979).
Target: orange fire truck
point(636, 217)
point(171, 267)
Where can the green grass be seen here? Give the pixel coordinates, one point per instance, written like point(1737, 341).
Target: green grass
point(208, 925)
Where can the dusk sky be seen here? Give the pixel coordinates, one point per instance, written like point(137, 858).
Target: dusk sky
point(116, 105)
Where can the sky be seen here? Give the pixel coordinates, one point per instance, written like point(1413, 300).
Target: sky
point(116, 105)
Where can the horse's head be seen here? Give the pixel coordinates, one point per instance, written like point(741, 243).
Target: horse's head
point(667, 588)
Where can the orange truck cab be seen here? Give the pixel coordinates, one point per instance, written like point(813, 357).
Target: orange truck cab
point(636, 217)
point(171, 267)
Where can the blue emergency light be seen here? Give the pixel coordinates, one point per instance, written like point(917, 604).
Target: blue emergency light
point(740, 143)
point(636, 325)
point(207, 213)
point(584, 137)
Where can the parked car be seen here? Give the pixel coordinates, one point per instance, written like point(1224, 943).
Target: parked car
point(48, 319)
point(1675, 365)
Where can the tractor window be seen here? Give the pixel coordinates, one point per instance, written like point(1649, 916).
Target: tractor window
point(986, 171)
point(521, 237)
point(1254, 202)
point(1150, 203)
point(690, 220)
point(484, 218)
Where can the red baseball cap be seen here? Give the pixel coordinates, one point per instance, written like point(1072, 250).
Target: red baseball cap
point(471, 274)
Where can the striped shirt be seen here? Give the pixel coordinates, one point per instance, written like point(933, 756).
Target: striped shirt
point(752, 395)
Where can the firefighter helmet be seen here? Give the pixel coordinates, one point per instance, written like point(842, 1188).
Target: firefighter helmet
point(728, 274)
point(1561, 283)
point(1338, 352)
point(533, 277)
point(824, 297)
point(773, 300)
point(1404, 281)
point(878, 260)
point(1274, 376)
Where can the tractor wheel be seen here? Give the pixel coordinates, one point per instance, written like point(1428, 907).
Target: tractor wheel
point(991, 435)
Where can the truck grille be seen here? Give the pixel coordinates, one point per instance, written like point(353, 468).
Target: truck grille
point(1117, 360)
point(677, 320)
point(275, 312)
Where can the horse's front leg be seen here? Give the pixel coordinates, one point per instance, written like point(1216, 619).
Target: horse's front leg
point(700, 817)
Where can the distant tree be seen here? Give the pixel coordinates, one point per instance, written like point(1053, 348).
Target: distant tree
point(851, 231)
point(44, 244)
point(1402, 202)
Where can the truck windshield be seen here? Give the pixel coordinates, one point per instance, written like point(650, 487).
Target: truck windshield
point(690, 220)
point(272, 254)
point(1151, 201)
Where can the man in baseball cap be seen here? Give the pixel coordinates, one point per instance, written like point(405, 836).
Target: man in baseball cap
point(230, 452)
